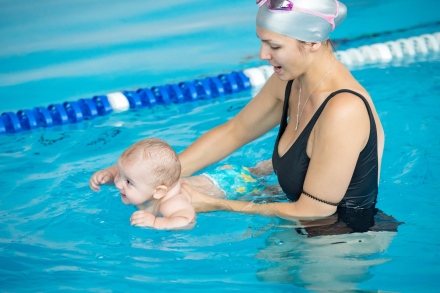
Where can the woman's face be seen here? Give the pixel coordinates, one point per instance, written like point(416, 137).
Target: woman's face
point(284, 53)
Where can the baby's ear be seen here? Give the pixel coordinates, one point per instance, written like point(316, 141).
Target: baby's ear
point(160, 191)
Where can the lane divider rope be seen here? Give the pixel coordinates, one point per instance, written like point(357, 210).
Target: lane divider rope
point(206, 88)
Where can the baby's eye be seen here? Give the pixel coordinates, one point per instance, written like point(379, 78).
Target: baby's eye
point(129, 182)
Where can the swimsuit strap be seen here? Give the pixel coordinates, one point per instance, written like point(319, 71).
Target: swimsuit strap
point(283, 123)
point(367, 105)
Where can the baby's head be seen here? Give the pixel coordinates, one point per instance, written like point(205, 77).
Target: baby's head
point(156, 159)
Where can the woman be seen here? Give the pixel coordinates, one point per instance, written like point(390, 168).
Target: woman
point(330, 143)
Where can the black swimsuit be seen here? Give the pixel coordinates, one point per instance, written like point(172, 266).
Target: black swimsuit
point(292, 167)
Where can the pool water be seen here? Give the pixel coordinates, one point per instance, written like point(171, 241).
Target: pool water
point(55, 51)
point(58, 235)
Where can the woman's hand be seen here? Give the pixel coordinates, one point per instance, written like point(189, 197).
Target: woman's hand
point(200, 201)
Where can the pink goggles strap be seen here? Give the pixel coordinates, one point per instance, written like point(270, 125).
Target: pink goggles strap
point(328, 17)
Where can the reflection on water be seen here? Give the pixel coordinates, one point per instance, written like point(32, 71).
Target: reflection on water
point(334, 253)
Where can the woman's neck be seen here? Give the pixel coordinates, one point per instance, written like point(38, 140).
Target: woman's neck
point(318, 68)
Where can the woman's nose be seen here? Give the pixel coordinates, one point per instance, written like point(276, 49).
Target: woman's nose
point(264, 54)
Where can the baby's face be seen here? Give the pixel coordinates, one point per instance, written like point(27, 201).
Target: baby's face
point(132, 184)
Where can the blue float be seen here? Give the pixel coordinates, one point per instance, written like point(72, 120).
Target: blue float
point(147, 97)
point(176, 93)
point(161, 94)
point(189, 90)
point(229, 83)
point(2, 127)
point(73, 112)
point(242, 80)
point(203, 88)
point(217, 87)
point(102, 105)
point(43, 117)
point(27, 119)
point(11, 122)
point(88, 108)
point(59, 114)
point(134, 99)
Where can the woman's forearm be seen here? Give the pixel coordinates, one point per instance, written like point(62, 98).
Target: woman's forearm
point(301, 209)
point(285, 210)
point(248, 207)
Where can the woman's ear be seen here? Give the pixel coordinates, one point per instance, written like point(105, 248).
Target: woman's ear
point(160, 192)
point(315, 46)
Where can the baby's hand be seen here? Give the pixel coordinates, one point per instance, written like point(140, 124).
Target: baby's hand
point(98, 178)
point(142, 218)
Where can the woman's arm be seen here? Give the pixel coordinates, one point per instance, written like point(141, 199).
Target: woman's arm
point(339, 137)
point(303, 208)
point(259, 116)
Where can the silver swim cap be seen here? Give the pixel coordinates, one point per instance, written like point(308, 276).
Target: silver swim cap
point(305, 21)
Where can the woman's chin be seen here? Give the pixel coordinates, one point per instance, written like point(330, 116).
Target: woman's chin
point(284, 77)
point(282, 74)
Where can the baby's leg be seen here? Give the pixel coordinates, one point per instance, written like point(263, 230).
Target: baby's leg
point(234, 182)
point(273, 189)
point(262, 169)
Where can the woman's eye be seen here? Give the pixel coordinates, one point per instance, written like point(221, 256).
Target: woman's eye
point(274, 48)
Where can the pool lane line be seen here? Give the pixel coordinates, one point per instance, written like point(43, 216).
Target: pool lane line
point(207, 88)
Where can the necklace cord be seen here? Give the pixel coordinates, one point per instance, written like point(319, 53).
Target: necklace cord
point(298, 115)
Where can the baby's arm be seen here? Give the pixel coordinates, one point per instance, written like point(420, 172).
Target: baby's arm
point(105, 176)
point(177, 213)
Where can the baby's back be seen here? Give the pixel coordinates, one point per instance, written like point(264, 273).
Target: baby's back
point(204, 185)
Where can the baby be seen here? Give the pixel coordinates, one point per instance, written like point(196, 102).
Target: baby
point(148, 177)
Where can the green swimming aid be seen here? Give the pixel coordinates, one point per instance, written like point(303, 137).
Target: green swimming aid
point(235, 179)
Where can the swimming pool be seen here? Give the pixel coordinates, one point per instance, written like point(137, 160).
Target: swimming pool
point(58, 235)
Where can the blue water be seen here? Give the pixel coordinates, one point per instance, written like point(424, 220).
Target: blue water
point(55, 51)
point(58, 235)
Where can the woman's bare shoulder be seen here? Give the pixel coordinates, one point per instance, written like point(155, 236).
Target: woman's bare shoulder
point(344, 119)
point(345, 107)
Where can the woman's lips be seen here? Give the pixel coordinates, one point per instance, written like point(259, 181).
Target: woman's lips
point(277, 69)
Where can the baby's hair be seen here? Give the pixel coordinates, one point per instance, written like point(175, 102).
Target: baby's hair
point(162, 160)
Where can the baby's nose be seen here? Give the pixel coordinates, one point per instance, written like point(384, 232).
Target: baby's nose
point(118, 182)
